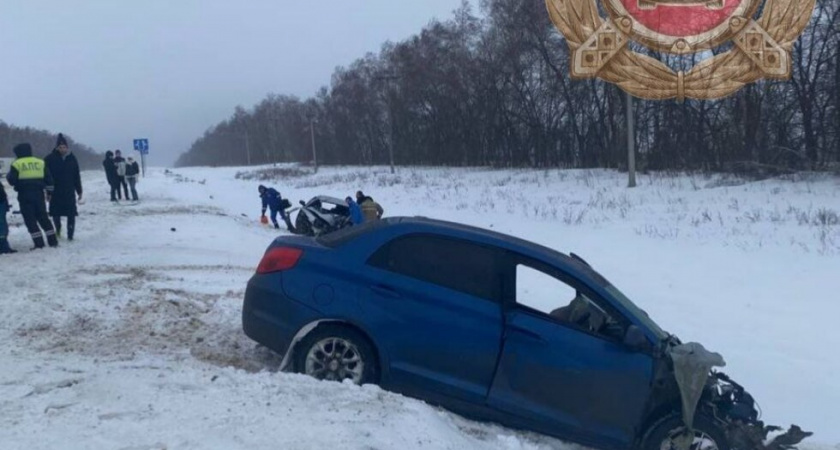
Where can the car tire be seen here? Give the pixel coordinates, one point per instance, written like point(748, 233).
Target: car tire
point(708, 435)
point(302, 225)
point(337, 353)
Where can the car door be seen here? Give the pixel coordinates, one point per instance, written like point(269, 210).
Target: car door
point(434, 305)
point(558, 372)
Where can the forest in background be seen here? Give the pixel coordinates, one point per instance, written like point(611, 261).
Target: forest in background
point(43, 142)
point(492, 89)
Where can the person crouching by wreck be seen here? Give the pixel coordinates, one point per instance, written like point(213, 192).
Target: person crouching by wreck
point(370, 209)
point(30, 178)
point(356, 216)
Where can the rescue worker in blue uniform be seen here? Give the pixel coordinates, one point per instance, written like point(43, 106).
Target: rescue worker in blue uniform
point(31, 178)
point(272, 201)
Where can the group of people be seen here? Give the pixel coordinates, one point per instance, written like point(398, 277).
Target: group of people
point(362, 209)
point(118, 170)
point(55, 180)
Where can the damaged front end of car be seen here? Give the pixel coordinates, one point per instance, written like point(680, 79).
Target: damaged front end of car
point(705, 391)
point(736, 409)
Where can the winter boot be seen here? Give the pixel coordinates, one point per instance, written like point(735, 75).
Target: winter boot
point(39, 241)
point(51, 239)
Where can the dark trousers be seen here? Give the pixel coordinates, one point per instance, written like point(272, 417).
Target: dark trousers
point(71, 226)
point(132, 181)
point(33, 207)
point(283, 216)
point(4, 230)
point(4, 226)
point(121, 182)
point(115, 189)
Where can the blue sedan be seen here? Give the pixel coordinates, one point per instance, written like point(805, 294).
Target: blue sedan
point(485, 324)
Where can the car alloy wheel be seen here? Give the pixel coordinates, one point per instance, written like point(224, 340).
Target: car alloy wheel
point(701, 441)
point(670, 434)
point(335, 359)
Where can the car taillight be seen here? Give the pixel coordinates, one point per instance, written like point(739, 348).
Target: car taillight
point(278, 259)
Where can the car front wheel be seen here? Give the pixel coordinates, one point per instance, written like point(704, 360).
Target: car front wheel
point(336, 354)
point(302, 225)
point(666, 435)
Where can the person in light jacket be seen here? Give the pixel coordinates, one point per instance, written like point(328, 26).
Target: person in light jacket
point(119, 161)
point(132, 172)
point(370, 209)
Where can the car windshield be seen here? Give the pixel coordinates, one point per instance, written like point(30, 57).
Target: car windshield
point(637, 312)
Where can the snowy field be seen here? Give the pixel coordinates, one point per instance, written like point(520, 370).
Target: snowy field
point(130, 336)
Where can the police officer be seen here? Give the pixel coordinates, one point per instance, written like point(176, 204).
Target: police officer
point(30, 178)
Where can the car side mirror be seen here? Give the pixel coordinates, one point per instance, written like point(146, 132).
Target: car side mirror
point(302, 203)
point(634, 338)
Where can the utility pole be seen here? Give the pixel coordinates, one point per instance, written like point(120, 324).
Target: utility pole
point(390, 93)
point(247, 147)
point(391, 127)
point(312, 134)
point(631, 144)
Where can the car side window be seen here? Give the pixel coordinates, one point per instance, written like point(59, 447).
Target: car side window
point(540, 290)
point(452, 263)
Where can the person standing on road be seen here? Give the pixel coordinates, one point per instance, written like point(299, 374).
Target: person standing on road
point(119, 161)
point(272, 200)
point(370, 209)
point(132, 171)
point(111, 174)
point(5, 206)
point(30, 177)
point(64, 168)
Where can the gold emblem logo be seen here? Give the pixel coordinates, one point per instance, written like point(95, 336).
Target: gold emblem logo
point(761, 48)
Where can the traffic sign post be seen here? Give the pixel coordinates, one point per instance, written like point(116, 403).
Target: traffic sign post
point(142, 146)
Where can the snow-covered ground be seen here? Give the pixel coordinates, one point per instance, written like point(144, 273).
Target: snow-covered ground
point(130, 337)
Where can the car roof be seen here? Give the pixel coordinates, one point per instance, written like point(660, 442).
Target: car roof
point(328, 199)
point(419, 224)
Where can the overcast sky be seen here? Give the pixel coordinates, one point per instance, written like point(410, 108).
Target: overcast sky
point(108, 71)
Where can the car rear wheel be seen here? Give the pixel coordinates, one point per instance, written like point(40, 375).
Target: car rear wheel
point(336, 354)
point(666, 435)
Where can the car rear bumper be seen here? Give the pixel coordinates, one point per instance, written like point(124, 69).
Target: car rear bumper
point(269, 316)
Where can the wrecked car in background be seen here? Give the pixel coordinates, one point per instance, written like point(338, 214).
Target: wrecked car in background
point(495, 328)
point(321, 215)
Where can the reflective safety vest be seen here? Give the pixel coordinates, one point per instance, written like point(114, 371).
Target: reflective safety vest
point(29, 168)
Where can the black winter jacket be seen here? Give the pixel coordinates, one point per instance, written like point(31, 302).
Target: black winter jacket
point(67, 183)
point(110, 170)
point(4, 200)
point(132, 169)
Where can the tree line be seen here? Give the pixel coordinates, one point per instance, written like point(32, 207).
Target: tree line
point(43, 142)
point(492, 89)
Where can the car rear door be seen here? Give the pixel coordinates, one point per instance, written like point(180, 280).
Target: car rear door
point(434, 306)
point(563, 377)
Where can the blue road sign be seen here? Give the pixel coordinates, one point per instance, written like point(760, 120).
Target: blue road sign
point(142, 146)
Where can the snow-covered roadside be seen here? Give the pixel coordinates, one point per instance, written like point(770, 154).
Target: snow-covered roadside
point(129, 337)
